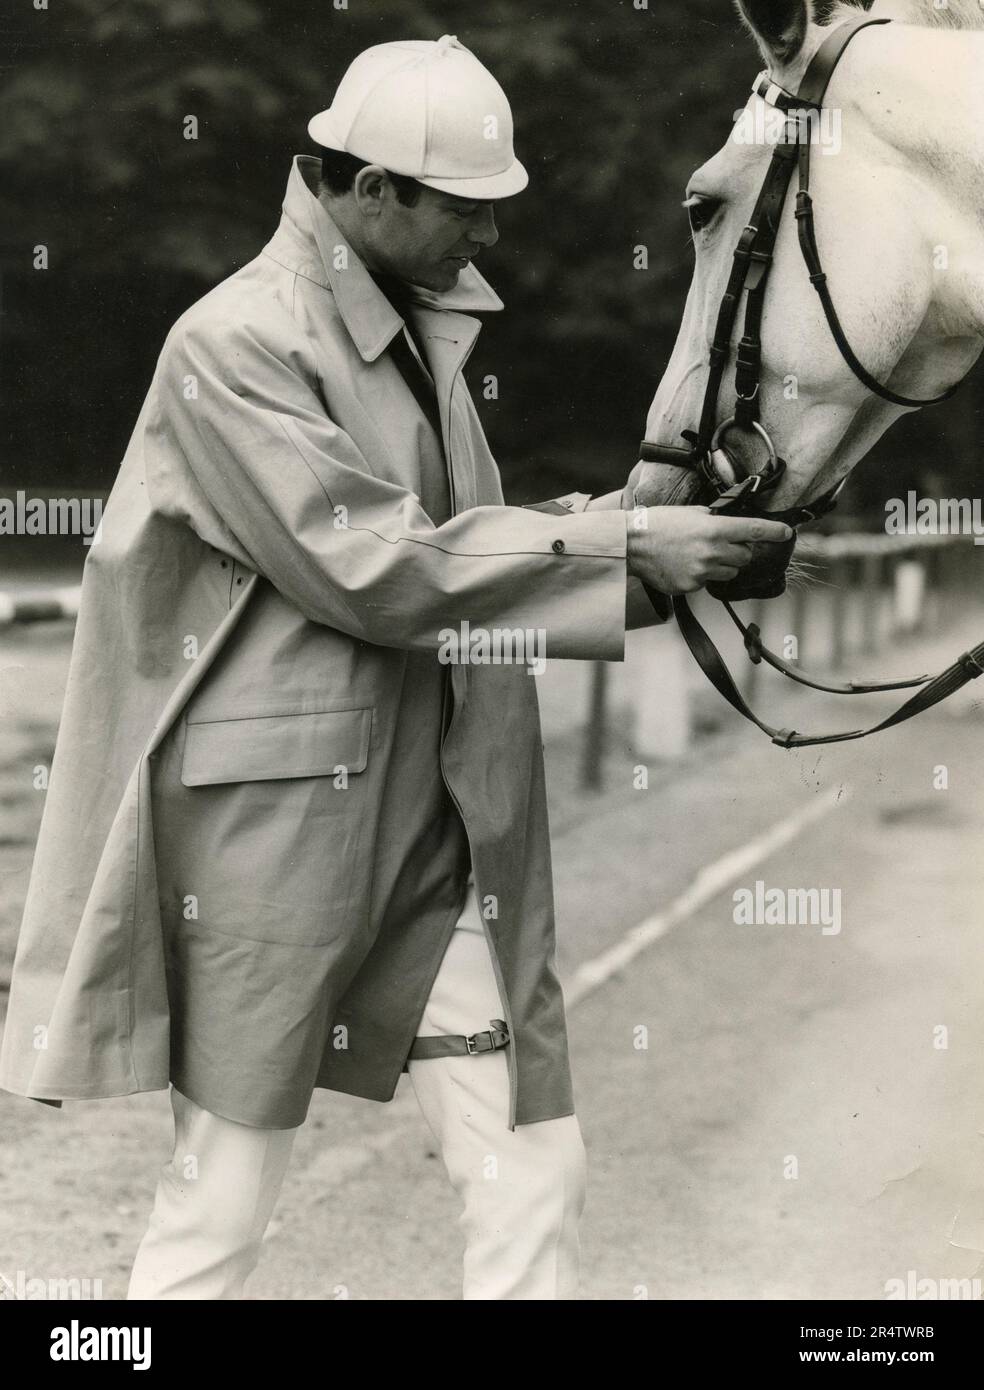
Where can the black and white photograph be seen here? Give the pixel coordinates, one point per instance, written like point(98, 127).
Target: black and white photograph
point(491, 611)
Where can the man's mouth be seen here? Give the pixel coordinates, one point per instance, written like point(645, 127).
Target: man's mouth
point(460, 261)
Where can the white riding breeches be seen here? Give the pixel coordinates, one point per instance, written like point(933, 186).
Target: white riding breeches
point(522, 1190)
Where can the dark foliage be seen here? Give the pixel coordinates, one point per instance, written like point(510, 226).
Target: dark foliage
point(615, 106)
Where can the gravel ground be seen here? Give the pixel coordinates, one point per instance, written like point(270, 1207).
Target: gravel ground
point(765, 1044)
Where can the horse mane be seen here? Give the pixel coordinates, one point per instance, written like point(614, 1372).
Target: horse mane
point(957, 14)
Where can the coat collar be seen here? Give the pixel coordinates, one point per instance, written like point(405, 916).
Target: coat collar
point(308, 242)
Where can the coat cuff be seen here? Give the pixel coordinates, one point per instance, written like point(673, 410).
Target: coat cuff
point(584, 589)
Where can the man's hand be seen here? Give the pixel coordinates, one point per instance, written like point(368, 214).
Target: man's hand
point(679, 549)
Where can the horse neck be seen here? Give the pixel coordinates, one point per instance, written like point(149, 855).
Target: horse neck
point(918, 91)
point(920, 94)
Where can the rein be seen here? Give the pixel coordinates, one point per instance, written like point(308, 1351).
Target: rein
point(932, 689)
point(707, 454)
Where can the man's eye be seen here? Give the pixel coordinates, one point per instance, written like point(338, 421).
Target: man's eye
point(701, 211)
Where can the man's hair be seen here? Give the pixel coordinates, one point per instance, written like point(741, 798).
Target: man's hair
point(338, 171)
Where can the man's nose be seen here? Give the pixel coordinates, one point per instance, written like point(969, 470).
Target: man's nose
point(483, 229)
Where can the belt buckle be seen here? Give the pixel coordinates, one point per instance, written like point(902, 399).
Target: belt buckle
point(471, 1043)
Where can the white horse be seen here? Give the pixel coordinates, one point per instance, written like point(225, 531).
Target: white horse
point(899, 205)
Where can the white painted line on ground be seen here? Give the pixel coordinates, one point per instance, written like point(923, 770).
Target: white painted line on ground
point(709, 882)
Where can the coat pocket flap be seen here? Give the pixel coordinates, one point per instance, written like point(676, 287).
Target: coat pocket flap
point(276, 745)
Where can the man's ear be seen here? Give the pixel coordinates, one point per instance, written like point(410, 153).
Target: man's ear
point(369, 188)
point(778, 27)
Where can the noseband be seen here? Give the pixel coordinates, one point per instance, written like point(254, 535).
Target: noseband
point(726, 486)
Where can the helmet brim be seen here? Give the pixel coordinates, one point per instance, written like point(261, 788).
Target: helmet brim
point(485, 188)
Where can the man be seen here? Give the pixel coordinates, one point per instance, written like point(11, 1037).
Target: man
point(289, 843)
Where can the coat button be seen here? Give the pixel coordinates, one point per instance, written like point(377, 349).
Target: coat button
point(559, 547)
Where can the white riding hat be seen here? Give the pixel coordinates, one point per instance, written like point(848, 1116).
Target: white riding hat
point(429, 110)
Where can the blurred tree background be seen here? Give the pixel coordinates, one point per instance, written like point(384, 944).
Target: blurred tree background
point(615, 106)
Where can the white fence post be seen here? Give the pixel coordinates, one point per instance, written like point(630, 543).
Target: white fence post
point(910, 588)
point(660, 684)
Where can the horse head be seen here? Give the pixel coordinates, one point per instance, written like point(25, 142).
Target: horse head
point(897, 185)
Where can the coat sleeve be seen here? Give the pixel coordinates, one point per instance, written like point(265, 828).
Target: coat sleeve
point(351, 550)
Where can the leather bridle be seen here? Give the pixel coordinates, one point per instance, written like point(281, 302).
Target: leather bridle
point(741, 493)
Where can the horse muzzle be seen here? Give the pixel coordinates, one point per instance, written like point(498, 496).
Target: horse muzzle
point(764, 577)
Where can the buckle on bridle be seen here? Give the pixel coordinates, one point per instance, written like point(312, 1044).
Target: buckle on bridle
point(760, 481)
point(756, 425)
point(733, 498)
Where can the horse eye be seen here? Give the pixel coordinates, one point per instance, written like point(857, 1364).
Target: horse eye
point(701, 211)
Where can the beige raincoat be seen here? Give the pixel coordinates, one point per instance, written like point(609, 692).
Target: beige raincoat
point(265, 567)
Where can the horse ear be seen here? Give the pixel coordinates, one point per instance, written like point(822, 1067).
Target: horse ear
point(778, 26)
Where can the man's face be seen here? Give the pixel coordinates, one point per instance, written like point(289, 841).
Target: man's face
point(431, 243)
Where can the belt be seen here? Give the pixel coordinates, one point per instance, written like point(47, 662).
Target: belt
point(494, 1037)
